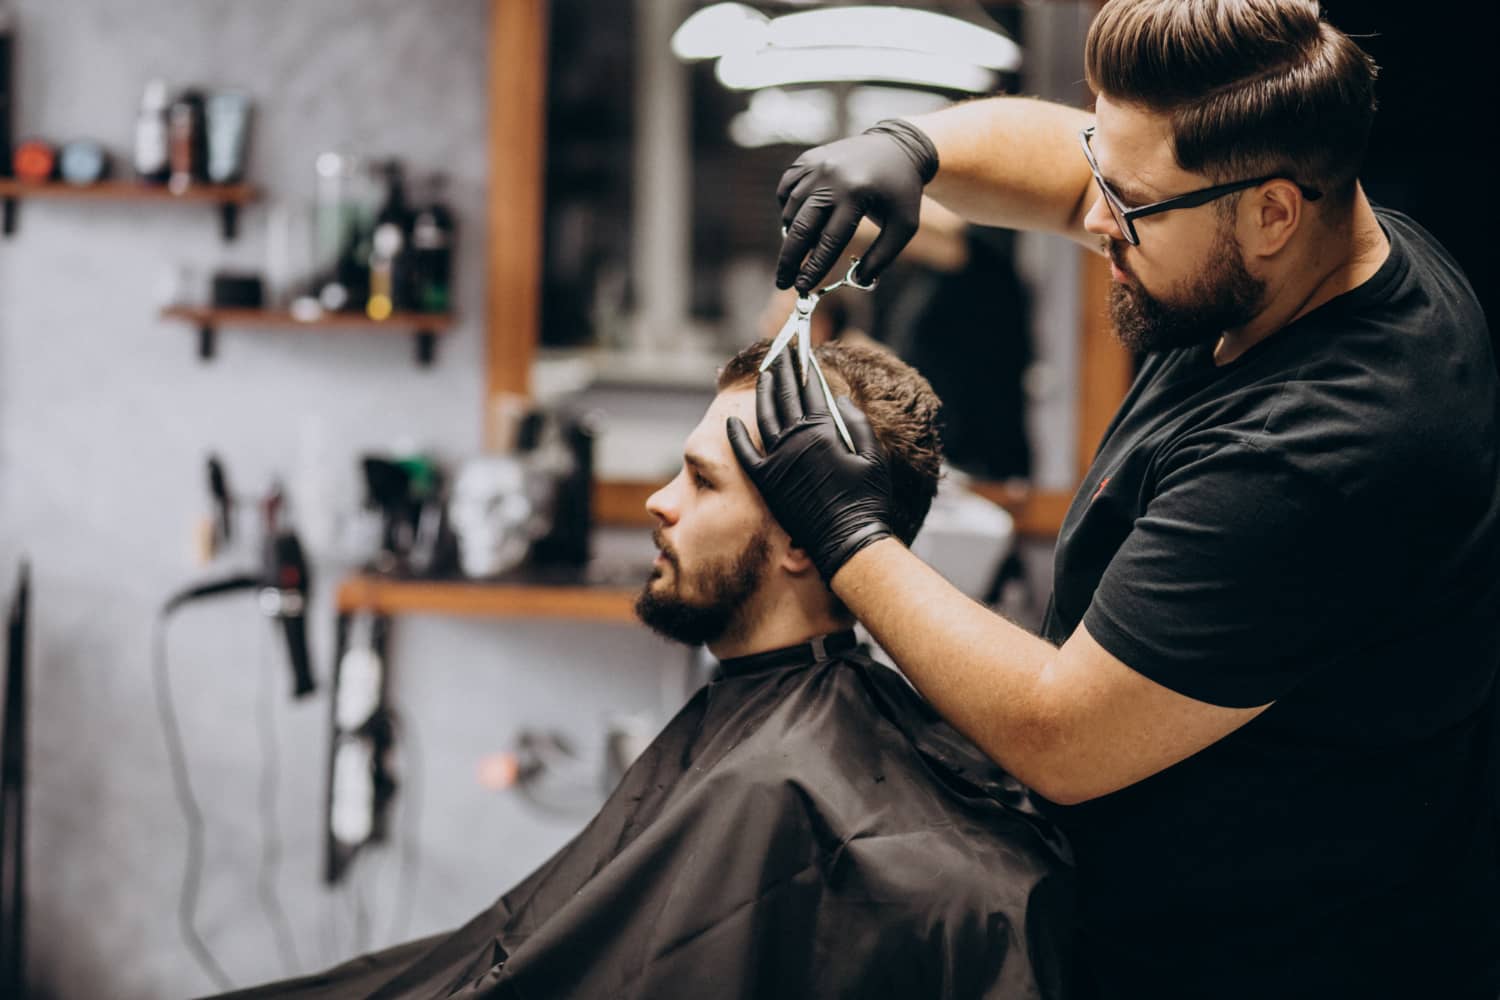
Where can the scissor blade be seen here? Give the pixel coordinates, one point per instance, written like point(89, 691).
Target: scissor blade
point(833, 407)
point(788, 330)
point(804, 346)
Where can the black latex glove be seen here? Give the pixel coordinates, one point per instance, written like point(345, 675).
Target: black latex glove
point(824, 194)
point(831, 502)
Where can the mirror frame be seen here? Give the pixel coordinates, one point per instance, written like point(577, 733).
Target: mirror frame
point(517, 149)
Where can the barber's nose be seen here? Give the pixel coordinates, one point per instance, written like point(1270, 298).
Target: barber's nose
point(1101, 221)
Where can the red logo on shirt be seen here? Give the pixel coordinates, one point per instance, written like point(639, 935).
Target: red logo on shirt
point(1102, 483)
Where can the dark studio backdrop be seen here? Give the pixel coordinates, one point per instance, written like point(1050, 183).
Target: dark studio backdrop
point(1429, 154)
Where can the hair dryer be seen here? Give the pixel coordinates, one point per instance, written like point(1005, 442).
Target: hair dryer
point(283, 595)
point(282, 587)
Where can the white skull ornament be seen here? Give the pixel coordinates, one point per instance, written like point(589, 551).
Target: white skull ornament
point(498, 507)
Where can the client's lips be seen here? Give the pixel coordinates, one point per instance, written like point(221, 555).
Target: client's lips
point(664, 553)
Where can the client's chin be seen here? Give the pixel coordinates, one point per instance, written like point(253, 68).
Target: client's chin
point(671, 617)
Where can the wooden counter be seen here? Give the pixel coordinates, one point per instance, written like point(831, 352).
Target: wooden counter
point(486, 600)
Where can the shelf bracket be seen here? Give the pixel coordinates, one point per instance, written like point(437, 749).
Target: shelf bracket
point(205, 341)
point(426, 347)
point(10, 215)
point(229, 220)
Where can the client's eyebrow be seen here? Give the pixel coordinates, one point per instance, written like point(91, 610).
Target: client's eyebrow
point(704, 464)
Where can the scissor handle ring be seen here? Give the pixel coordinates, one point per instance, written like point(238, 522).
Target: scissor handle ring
point(851, 282)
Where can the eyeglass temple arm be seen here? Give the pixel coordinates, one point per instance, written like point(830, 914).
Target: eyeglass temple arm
point(1196, 198)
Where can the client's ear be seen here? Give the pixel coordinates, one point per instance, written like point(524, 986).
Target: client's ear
point(796, 561)
point(787, 557)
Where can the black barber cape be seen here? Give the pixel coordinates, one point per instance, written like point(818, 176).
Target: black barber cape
point(805, 827)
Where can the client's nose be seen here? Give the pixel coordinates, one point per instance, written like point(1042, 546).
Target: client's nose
point(662, 504)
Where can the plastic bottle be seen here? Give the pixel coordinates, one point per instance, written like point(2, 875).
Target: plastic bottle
point(187, 142)
point(390, 257)
point(433, 234)
point(151, 155)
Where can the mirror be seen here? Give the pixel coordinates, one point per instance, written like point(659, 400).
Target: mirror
point(659, 231)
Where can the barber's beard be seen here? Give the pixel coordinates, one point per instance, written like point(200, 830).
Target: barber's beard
point(720, 607)
point(1224, 297)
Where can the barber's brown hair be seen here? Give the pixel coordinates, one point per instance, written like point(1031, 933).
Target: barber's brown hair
point(1253, 87)
point(899, 403)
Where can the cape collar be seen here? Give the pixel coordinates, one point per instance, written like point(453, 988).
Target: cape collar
point(820, 648)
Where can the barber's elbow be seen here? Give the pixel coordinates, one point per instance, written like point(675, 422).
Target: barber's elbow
point(1054, 784)
point(1046, 757)
point(1063, 794)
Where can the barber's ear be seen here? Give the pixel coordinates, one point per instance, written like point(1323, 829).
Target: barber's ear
point(1278, 213)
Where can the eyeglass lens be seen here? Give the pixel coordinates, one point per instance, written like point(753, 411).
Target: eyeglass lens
point(1110, 201)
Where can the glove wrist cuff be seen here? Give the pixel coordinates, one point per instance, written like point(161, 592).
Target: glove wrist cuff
point(912, 140)
point(834, 561)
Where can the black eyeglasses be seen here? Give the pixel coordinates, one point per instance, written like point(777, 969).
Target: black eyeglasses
point(1125, 217)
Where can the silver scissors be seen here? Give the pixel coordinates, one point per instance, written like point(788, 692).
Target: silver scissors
point(799, 325)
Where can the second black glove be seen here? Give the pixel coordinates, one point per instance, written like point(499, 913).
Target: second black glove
point(832, 502)
point(879, 173)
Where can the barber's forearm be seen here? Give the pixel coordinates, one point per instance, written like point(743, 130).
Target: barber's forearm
point(982, 673)
point(1012, 162)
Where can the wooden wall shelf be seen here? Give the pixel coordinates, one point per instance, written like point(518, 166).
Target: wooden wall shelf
point(385, 596)
point(229, 197)
point(424, 326)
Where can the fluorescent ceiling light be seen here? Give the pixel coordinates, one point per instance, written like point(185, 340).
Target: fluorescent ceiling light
point(811, 105)
point(868, 105)
point(752, 70)
point(725, 28)
point(715, 30)
point(809, 116)
point(749, 131)
point(796, 117)
point(897, 28)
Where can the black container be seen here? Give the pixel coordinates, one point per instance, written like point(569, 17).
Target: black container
point(390, 249)
point(238, 291)
point(7, 97)
point(433, 234)
point(568, 543)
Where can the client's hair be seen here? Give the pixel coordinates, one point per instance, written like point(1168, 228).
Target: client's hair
point(900, 405)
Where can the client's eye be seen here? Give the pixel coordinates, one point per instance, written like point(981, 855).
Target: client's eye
point(700, 482)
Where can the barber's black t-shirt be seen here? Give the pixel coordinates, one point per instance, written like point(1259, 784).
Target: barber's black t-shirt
point(1315, 524)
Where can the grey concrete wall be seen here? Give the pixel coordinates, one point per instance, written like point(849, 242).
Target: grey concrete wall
point(106, 416)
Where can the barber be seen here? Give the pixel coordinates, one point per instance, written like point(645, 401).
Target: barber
point(1260, 705)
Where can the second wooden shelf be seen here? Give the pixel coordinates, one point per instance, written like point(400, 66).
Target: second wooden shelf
point(229, 197)
point(486, 600)
point(424, 326)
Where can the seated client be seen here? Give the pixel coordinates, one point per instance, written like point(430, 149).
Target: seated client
point(805, 826)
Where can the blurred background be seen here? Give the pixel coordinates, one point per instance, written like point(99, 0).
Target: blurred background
point(341, 342)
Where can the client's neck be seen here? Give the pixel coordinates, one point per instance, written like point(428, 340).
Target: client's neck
point(777, 617)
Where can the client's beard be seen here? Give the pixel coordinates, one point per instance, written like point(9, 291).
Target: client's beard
point(725, 587)
point(1225, 296)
